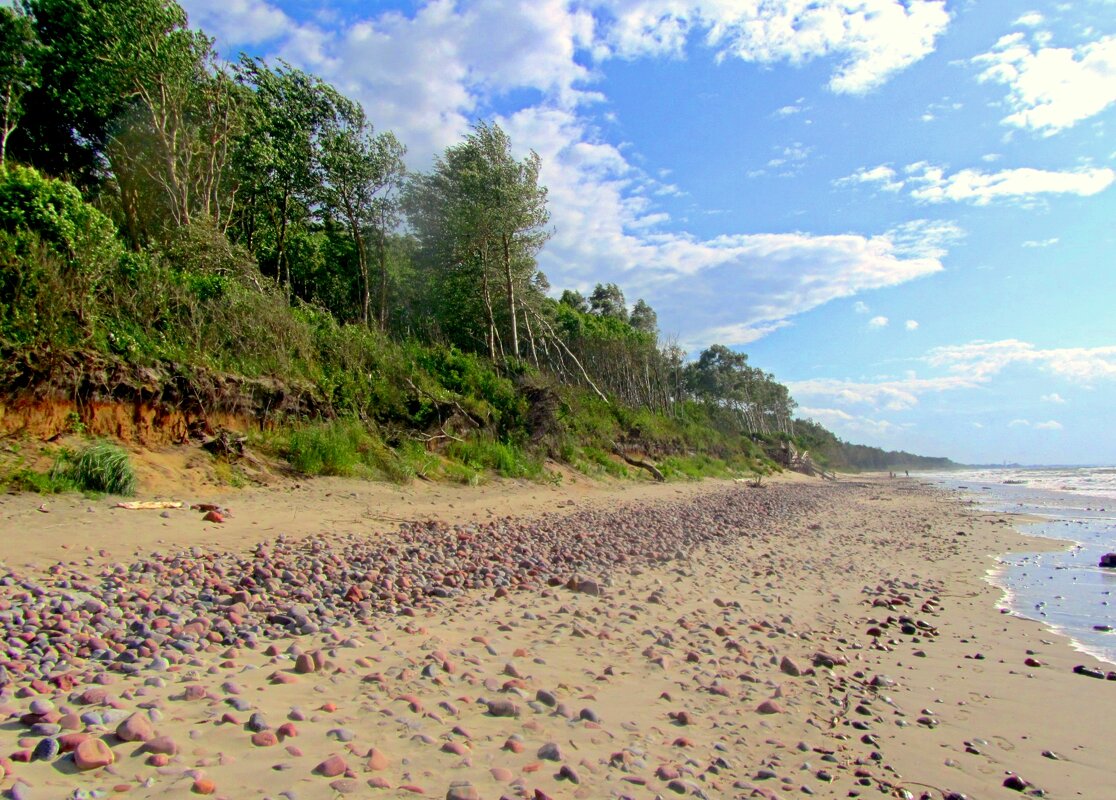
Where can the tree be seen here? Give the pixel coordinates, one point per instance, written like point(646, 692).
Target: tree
point(19, 71)
point(129, 85)
point(575, 300)
point(358, 172)
point(644, 318)
point(607, 300)
point(277, 151)
point(481, 218)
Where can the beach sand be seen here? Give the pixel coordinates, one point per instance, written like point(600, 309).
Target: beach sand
point(845, 643)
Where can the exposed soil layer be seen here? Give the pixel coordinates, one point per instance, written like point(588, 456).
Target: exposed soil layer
point(44, 395)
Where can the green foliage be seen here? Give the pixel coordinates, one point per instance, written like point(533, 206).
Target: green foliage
point(100, 467)
point(20, 53)
point(595, 461)
point(57, 254)
point(507, 460)
point(346, 448)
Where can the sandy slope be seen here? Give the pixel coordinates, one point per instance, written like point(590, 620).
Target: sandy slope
point(659, 681)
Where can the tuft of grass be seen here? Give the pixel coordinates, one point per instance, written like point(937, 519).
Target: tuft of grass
point(100, 467)
point(456, 472)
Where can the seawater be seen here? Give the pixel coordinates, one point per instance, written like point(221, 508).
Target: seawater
point(1065, 589)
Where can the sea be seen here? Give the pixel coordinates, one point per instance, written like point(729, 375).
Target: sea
point(1065, 589)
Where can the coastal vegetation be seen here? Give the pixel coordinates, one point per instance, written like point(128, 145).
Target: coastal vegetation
point(195, 236)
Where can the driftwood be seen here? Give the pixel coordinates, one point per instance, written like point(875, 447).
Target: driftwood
point(635, 462)
point(801, 462)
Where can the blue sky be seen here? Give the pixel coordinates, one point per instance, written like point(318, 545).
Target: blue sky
point(903, 209)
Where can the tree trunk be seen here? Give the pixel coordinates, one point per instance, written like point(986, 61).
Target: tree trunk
point(510, 288)
point(488, 309)
point(383, 272)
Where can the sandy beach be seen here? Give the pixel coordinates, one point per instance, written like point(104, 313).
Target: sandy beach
point(578, 640)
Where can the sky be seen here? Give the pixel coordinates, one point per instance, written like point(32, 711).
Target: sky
point(904, 209)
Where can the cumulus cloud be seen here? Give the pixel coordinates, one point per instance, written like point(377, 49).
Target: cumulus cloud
point(1019, 423)
point(931, 184)
point(882, 176)
point(1032, 19)
point(860, 307)
point(873, 39)
point(1053, 397)
point(1051, 89)
point(877, 322)
point(911, 325)
point(1039, 243)
point(1049, 425)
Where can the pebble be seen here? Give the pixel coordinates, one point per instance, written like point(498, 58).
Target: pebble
point(93, 754)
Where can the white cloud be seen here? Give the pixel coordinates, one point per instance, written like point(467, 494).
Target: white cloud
point(873, 39)
point(790, 110)
point(925, 238)
point(1032, 19)
point(969, 366)
point(860, 307)
point(1050, 425)
point(1038, 243)
point(883, 176)
point(1053, 397)
point(911, 325)
point(978, 425)
point(243, 21)
point(836, 419)
point(981, 360)
point(933, 185)
point(1051, 88)
point(893, 395)
point(1019, 423)
point(877, 322)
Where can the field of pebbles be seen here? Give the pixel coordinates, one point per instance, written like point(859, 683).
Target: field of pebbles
point(774, 642)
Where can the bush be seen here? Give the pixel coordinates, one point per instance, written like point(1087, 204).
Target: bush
point(99, 467)
point(57, 252)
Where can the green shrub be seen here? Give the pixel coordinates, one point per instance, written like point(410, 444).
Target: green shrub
point(98, 467)
point(57, 252)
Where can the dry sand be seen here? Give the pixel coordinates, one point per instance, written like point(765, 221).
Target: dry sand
point(659, 682)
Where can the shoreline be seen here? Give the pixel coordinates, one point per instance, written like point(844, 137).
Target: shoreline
point(660, 673)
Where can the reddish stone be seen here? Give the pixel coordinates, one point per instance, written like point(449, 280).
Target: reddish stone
point(332, 767)
point(136, 728)
point(377, 760)
point(204, 785)
point(93, 754)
